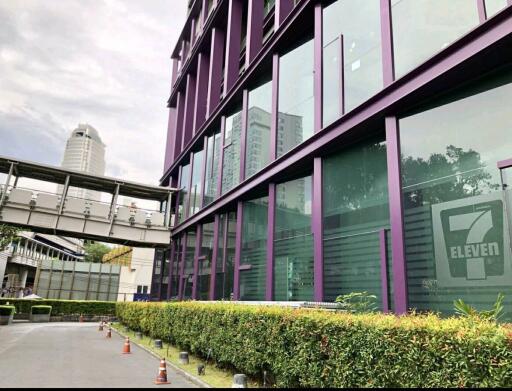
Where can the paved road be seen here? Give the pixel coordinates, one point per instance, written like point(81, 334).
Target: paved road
point(74, 355)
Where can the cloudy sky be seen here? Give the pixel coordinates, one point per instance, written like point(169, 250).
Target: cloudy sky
point(102, 62)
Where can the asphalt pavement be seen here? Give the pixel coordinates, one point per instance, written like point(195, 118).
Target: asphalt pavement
point(75, 355)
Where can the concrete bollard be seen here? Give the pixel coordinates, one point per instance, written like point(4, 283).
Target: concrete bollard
point(138, 335)
point(183, 358)
point(239, 381)
point(158, 344)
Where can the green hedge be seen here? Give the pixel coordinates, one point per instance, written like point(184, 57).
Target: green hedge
point(41, 310)
point(7, 310)
point(310, 348)
point(65, 307)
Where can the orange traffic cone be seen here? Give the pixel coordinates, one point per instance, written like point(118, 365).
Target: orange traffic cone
point(126, 347)
point(109, 332)
point(162, 373)
point(100, 328)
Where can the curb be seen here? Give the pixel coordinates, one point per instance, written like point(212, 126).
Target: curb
point(182, 372)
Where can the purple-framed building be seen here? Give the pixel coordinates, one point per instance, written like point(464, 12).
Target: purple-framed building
point(329, 147)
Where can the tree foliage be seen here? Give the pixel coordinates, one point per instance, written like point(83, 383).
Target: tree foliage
point(7, 235)
point(94, 252)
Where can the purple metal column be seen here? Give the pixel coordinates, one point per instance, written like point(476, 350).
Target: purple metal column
point(482, 13)
point(182, 266)
point(397, 215)
point(317, 215)
point(171, 267)
point(213, 270)
point(178, 196)
point(233, 44)
point(282, 10)
point(388, 63)
point(271, 222)
point(221, 157)
point(254, 39)
point(180, 110)
point(199, 239)
point(204, 13)
point(275, 107)
point(203, 64)
point(384, 270)
point(188, 122)
point(243, 136)
point(317, 228)
point(318, 80)
point(238, 250)
point(171, 136)
point(216, 62)
point(186, 203)
point(184, 52)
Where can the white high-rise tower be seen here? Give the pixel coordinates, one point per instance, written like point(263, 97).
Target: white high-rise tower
point(84, 152)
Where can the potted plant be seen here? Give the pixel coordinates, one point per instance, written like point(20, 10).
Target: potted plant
point(6, 314)
point(40, 313)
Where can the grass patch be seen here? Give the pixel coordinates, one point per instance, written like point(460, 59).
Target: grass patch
point(214, 376)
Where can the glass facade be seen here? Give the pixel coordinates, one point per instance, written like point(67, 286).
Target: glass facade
point(355, 204)
point(434, 23)
point(457, 217)
point(456, 213)
point(225, 257)
point(296, 100)
point(66, 280)
point(352, 33)
point(196, 189)
point(184, 192)
point(293, 242)
point(259, 118)
point(231, 164)
point(254, 250)
point(212, 168)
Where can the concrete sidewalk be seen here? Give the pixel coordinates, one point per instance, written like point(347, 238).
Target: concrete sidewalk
point(74, 355)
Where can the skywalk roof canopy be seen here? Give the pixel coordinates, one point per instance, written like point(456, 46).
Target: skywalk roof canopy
point(58, 175)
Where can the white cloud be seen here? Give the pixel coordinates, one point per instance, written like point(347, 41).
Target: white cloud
point(105, 62)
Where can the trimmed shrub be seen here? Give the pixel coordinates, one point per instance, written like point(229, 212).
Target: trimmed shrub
point(41, 310)
point(66, 307)
point(311, 348)
point(7, 310)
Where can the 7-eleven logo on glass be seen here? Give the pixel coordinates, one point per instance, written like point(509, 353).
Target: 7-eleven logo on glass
point(472, 246)
point(474, 240)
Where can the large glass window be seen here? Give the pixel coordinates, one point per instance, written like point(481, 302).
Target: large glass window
point(421, 28)
point(259, 119)
point(254, 250)
point(188, 273)
point(184, 192)
point(175, 268)
point(293, 242)
point(492, 7)
point(226, 257)
point(355, 195)
point(355, 26)
point(296, 101)
point(231, 164)
point(195, 190)
point(212, 168)
point(205, 263)
point(457, 218)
